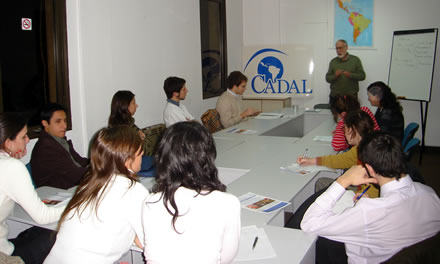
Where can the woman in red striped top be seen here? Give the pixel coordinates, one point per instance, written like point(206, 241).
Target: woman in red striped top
point(340, 106)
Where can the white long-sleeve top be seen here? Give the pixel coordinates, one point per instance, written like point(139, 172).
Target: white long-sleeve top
point(209, 227)
point(175, 113)
point(16, 187)
point(375, 229)
point(103, 237)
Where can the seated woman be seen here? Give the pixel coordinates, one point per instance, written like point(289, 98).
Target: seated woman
point(357, 125)
point(16, 186)
point(103, 218)
point(340, 106)
point(123, 108)
point(389, 111)
point(188, 218)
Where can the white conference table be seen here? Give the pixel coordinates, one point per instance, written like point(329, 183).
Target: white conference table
point(277, 143)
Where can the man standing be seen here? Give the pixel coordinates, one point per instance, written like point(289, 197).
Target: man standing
point(229, 104)
point(374, 230)
point(54, 161)
point(175, 111)
point(344, 72)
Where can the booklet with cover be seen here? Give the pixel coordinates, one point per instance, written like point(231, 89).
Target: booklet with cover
point(260, 203)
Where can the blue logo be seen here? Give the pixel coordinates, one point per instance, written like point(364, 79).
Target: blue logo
point(271, 68)
point(270, 72)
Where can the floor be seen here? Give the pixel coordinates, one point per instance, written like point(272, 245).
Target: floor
point(429, 167)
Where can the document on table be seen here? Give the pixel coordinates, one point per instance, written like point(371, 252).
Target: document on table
point(312, 110)
point(58, 199)
point(259, 203)
point(228, 175)
point(323, 138)
point(295, 167)
point(242, 131)
point(247, 251)
point(344, 202)
point(269, 116)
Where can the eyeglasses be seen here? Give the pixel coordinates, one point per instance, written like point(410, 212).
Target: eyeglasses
point(368, 172)
point(340, 48)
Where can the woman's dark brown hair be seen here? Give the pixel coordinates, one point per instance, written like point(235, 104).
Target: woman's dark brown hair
point(111, 147)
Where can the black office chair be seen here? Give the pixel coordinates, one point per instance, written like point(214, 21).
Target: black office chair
point(425, 252)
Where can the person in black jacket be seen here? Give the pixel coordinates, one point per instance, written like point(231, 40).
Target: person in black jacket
point(54, 161)
point(389, 111)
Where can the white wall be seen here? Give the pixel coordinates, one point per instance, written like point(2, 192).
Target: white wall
point(134, 45)
point(287, 22)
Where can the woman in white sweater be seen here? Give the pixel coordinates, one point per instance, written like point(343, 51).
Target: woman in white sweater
point(103, 218)
point(189, 218)
point(16, 187)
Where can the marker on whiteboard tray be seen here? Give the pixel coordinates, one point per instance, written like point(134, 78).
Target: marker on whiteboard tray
point(401, 97)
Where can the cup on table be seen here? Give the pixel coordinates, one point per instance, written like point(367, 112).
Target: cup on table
point(295, 108)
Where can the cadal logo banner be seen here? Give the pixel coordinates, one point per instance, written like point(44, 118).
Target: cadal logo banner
point(283, 70)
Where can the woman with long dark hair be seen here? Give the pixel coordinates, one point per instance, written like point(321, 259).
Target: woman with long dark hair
point(16, 186)
point(340, 106)
point(389, 111)
point(103, 218)
point(122, 110)
point(189, 218)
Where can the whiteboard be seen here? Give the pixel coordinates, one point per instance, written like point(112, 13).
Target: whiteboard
point(412, 63)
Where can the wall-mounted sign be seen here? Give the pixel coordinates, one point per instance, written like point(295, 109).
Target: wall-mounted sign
point(26, 24)
point(282, 70)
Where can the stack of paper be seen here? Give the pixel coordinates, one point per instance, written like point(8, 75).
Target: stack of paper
point(228, 175)
point(323, 138)
point(295, 167)
point(269, 116)
point(242, 131)
point(254, 245)
point(58, 199)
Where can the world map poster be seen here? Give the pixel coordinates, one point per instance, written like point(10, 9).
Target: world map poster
point(354, 22)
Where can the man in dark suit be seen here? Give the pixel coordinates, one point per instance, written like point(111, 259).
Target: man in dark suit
point(54, 161)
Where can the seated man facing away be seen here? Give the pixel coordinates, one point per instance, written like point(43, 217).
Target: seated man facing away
point(229, 104)
point(54, 161)
point(373, 230)
point(175, 111)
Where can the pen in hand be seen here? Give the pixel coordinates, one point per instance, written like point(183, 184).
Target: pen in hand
point(359, 197)
point(255, 243)
point(300, 160)
point(305, 153)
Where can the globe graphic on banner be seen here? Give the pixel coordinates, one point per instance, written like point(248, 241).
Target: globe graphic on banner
point(271, 68)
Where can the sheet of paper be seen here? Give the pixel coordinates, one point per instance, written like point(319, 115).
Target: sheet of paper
point(263, 248)
point(312, 110)
point(323, 138)
point(260, 203)
point(58, 199)
point(295, 167)
point(228, 175)
point(344, 202)
point(269, 116)
point(242, 131)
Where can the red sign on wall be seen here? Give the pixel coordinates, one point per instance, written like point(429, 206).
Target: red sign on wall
point(26, 24)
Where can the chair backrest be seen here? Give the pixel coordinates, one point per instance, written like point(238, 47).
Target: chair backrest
point(426, 251)
point(321, 106)
point(409, 133)
point(152, 136)
point(410, 147)
point(211, 120)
